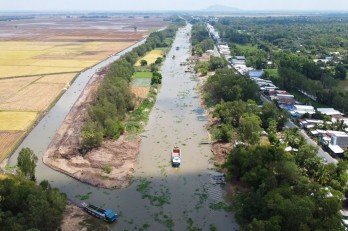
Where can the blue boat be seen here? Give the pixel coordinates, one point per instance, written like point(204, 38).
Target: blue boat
point(106, 215)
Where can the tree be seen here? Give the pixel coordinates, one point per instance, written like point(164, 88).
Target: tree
point(143, 62)
point(216, 63)
point(249, 127)
point(340, 72)
point(225, 133)
point(159, 60)
point(26, 162)
point(92, 136)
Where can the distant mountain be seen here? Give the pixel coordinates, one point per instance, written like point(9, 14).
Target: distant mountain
point(220, 8)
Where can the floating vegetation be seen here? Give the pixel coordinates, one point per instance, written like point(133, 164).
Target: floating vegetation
point(212, 228)
point(190, 226)
point(220, 206)
point(165, 220)
point(83, 197)
point(158, 198)
point(202, 197)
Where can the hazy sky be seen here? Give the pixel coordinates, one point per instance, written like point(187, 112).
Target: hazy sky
point(137, 5)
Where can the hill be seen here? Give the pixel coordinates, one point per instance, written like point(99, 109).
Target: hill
point(220, 8)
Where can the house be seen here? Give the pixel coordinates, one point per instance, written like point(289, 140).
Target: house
point(336, 118)
point(303, 109)
point(335, 149)
point(309, 123)
point(237, 62)
point(340, 140)
point(240, 57)
point(329, 111)
point(256, 73)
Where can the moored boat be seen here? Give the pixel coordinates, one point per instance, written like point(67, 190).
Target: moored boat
point(106, 215)
point(176, 157)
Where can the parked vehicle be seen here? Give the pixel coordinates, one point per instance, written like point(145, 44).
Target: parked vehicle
point(106, 215)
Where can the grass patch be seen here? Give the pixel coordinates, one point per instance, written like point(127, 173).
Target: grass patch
point(143, 74)
point(306, 100)
point(247, 48)
point(272, 73)
point(107, 169)
point(140, 116)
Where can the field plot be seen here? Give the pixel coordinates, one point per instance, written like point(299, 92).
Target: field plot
point(7, 141)
point(59, 78)
point(16, 121)
point(37, 58)
point(140, 92)
point(144, 74)
point(10, 87)
point(34, 97)
point(150, 57)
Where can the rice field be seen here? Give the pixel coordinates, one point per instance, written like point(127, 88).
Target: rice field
point(8, 140)
point(150, 57)
point(34, 97)
point(16, 120)
point(25, 58)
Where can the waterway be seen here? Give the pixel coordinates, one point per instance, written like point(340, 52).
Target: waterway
point(160, 197)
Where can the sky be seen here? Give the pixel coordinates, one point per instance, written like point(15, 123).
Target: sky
point(158, 5)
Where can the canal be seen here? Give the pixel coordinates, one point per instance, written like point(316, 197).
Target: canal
point(160, 197)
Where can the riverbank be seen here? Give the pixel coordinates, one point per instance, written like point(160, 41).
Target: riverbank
point(75, 218)
point(109, 166)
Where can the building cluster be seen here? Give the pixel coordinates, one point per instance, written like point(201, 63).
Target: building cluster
point(332, 140)
point(331, 133)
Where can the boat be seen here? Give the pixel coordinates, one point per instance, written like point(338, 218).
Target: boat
point(106, 215)
point(176, 157)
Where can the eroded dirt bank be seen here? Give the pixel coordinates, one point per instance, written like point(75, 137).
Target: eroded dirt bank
point(109, 166)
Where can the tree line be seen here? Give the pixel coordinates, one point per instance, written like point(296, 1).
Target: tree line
point(278, 190)
point(25, 205)
point(200, 39)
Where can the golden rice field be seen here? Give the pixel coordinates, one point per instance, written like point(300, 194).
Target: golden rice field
point(25, 58)
point(150, 57)
point(7, 140)
point(34, 97)
point(16, 120)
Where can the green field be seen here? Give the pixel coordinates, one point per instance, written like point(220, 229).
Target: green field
point(246, 48)
point(272, 72)
point(143, 75)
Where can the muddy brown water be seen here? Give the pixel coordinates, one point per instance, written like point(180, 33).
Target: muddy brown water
point(160, 197)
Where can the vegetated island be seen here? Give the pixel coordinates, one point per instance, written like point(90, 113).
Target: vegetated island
point(63, 152)
point(77, 150)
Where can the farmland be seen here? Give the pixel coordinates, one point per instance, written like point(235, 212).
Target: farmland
point(40, 57)
point(150, 57)
point(12, 120)
point(140, 92)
